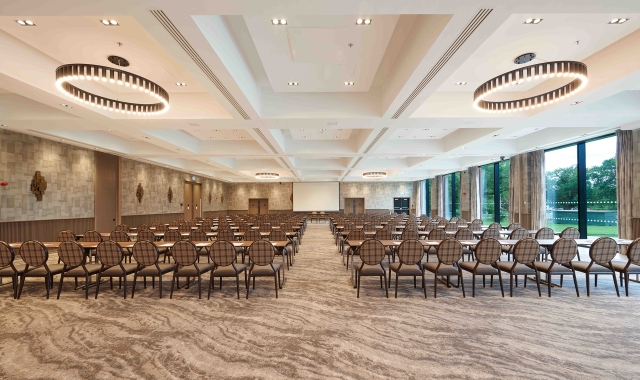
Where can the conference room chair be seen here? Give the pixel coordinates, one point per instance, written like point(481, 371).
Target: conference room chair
point(487, 253)
point(75, 265)
point(174, 223)
point(514, 226)
point(122, 227)
point(142, 227)
point(430, 226)
point(451, 227)
point(544, 234)
point(449, 253)
point(261, 255)
point(491, 233)
point(562, 253)
point(199, 236)
point(157, 223)
point(571, 233)
point(91, 236)
point(442, 222)
point(184, 228)
point(224, 257)
point(121, 237)
point(243, 227)
point(9, 267)
point(170, 236)
point(410, 254)
point(147, 256)
point(35, 255)
point(435, 234)
point(355, 235)
point(631, 266)
point(517, 234)
point(453, 219)
point(279, 235)
point(601, 254)
point(66, 235)
point(112, 258)
point(390, 252)
point(185, 255)
point(294, 238)
point(161, 228)
point(495, 225)
point(525, 252)
point(252, 235)
point(476, 225)
point(409, 234)
point(461, 223)
point(465, 234)
point(371, 255)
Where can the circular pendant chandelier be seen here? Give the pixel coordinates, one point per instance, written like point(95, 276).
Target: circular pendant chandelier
point(267, 175)
point(374, 175)
point(66, 74)
point(569, 69)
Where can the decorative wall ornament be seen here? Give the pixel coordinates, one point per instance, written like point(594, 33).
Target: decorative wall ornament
point(4, 183)
point(210, 196)
point(38, 185)
point(139, 192)
point(170, 194)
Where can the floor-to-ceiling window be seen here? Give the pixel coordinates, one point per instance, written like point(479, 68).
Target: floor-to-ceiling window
point(581, 187)
point(494, 205)
point(451, 195)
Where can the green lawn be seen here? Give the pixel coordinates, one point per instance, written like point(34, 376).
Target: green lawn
point(609, 231)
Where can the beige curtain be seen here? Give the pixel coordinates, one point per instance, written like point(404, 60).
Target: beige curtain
point(474, 192)
point(538, 190)
point(418, 200)
point(624, 175)
point(514, 188)
point(436, 195)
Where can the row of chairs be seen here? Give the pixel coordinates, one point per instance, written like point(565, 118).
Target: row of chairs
point(111, 256)
point(487, 262)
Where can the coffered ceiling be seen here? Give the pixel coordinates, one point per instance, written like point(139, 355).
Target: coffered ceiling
point(278, 98)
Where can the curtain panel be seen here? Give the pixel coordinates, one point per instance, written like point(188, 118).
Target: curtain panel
point(527, 190)
point(538, 193)
point(436, 202)
point(624, 176)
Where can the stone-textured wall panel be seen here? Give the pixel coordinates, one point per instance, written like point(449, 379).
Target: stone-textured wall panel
point(279, 195)
point(68, 170)
point(378, 195)
point(155, 181)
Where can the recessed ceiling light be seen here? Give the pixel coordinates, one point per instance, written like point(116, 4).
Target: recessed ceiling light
point(109, 23)
point(65, 105)
point(210, 137)
point(146, 137)
point(292, 83)
point(177, 149)
point(533, 21)
point(241, 137)
point(496, 135)
point(400, 136)
point(235, 130)
point(576, 103)
point(305, 137)
point(461, 83)
point(584, 134)
point(432, 136)
point(348, 83)
point(216, 130)
point(25, 22)
point(281, 21)
point(180, 84)
point(425, 129)
point(363, 21)
point(618, 21)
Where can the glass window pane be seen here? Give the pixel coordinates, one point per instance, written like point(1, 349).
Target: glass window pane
point(602, 200)
point(562, 188)
point(487, 204)
point(504, 167)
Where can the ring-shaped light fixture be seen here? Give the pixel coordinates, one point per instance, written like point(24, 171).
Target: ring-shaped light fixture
point(66, 74)
point(570, 69)
point(267, 175)
point(374, 175)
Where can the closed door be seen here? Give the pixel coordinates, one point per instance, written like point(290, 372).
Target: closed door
point(197, 200)
point(188, 201)
point(401, 205)
point(259, 206)
point(354, 205)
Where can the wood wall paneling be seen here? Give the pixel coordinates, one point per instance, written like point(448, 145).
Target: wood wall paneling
point(135, 220)
point(42, 230)
point(107, 185)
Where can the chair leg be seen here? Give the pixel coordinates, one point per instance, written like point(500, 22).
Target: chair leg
point(211, 285)
point(596, 281)
point(499, 279)
point(358, 283)
point(615, 282)
point(626, 283)
point(275, 281)
point(424, 288)
point(199, 286)
point(461, 281)
point(549, 283)
point(98, 285)
point(86, 286)
point(173, 282)
point(22, 278)
point(125, 285)
point(60, 285)
point(386, 288)
point(538, 282)
point(473, 284)
point(575, 283)
point(511, 284)
point(238, 284)
point(159, 283)
point(247, 284)
point(587, 278)
point(396, 282)
point(47, 281)
point(280, 282)
point(135, 278)
point(435, 285)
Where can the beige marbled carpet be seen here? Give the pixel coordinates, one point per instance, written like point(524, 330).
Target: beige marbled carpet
point(318, 329)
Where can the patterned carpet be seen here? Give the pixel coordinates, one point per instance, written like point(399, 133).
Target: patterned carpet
point(318, 329)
